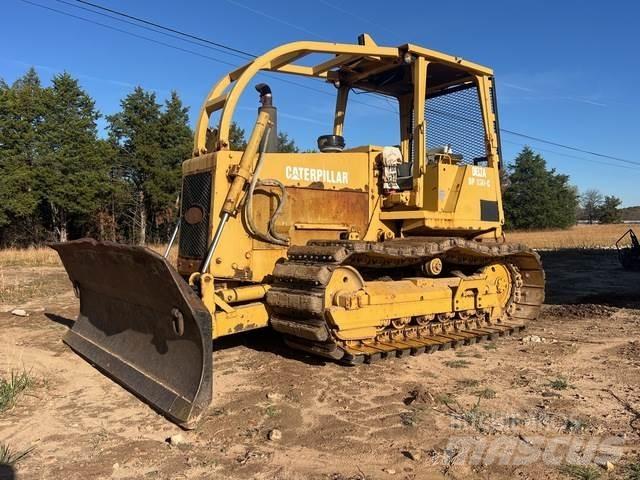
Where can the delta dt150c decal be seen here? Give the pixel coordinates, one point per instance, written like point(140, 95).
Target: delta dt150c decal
point(479, 177)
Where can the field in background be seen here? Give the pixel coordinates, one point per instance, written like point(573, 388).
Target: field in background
point(581, 236)
point(46, 257)
point(29, 257)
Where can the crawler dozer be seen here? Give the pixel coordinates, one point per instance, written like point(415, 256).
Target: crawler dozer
point(352, 253)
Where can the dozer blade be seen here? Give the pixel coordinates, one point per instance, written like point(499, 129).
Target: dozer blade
point(142, 325)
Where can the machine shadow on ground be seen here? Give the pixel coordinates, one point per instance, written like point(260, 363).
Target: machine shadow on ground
point(589, 276)
point(262, 340)
point(64, 321)
point(7, 472)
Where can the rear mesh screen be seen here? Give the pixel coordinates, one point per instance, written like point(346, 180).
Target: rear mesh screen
point(454, 119)
point(196, 196)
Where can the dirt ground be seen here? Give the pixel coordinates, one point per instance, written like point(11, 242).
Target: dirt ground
point(564, 392)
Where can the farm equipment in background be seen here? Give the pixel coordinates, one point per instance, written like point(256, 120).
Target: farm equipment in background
point(629, 250)
point(352, 254)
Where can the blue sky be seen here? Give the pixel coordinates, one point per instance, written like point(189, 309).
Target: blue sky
point(567, 70)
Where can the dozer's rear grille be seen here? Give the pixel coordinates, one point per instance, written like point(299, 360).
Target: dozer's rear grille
point(454, 118)
point(194, 226)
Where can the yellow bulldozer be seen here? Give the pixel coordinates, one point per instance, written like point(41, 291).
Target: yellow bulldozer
point(353, 254)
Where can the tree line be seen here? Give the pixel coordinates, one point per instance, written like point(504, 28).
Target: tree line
point(536, 197)
point(61, 179)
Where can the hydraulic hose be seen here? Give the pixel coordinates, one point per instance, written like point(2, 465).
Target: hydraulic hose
point(271, 235)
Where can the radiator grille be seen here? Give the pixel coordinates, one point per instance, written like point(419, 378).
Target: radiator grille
point(196, 193)
point(454, 118)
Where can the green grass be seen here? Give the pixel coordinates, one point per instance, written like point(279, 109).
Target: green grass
point(559, 383)
point(576, 425)
point(581, 472)
point(473, 415)
point(9, 457)
point(272, 411)
point(457, 363)
point(490, 346)
point(632, 470)
point(12, 387)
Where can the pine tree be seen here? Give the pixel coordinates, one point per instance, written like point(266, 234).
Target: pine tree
point(609, 211)
point(151, 145)
point(237, 140)
point(538, 197)
point(286, 144)
point(71, 175)
point(135, 132)
point(176, 143)
point(22, 112)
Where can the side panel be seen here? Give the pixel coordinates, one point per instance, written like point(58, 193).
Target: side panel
point(328, 196)
point(459, 199)
point(312, 214)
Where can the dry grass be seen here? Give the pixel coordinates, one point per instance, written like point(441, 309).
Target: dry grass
point(23, 291)
point(173, 254)
point(580, 236)
point(29, 257)
point(47, 257)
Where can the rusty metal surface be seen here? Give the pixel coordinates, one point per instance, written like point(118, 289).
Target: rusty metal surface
point(315, 207)
point(142, 325)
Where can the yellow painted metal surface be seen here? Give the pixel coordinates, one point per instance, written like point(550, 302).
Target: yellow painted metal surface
point(378, 302)
point(241, 319)
point(338, 195)
point(224, 95)
point(322, 188)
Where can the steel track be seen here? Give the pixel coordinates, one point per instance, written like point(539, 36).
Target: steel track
point(297, 298)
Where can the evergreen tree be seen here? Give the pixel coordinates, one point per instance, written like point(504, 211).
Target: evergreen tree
point(22, 112)
point(58, 180)
point(176, 142)
point(111, 220)
point(538, 197)
point(135, 133)
point(237, 140)
point(71, 174)
point(151, 145)
point(609, 211)
point(286, 144)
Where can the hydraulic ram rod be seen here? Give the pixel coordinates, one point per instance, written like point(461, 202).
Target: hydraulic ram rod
point(242, 176)
point(175, 230)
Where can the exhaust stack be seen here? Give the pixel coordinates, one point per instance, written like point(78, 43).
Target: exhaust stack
point(266, 105)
